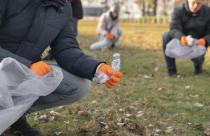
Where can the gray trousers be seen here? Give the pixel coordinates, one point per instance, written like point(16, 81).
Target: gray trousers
point(71, 89)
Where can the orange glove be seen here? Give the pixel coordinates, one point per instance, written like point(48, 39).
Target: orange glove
point(201, 42)
point(109, 36)
point(40, 68)
point(113, 76)
point(184, 41)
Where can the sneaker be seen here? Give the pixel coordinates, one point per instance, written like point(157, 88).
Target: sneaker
point(22, 128)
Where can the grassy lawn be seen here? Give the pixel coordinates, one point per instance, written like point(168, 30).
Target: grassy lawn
point(146, 103)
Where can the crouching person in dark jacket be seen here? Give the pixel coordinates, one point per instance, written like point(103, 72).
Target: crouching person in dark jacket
point(190, 19)
point(27, 27)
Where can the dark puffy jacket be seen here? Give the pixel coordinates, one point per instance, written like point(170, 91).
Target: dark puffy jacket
point(77, 9)
point(186, 23)
point(27, 27)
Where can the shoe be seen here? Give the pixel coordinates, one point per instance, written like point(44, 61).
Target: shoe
point(198, 69)
point(22, 128)
point(172, 72)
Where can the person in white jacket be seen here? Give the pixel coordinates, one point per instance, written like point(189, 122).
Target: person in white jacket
point(108, 29)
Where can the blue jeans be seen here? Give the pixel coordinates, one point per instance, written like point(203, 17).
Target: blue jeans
point(170, 62)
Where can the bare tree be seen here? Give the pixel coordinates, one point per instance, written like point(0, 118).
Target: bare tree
point(148, 7)
point(155, 2)
point(142, 5)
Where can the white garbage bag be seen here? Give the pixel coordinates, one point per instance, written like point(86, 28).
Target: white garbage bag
point(174, 49)
point(20, 88)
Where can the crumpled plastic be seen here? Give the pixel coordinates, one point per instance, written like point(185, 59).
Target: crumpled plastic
point(20, 88)
point(174, 49)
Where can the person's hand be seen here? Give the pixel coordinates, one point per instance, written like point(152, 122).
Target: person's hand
point(109, 36)
point(187, 40)
point(107, 75)
point(184, 41)
point(40, 68)
point(201, 42)
point(191, 41)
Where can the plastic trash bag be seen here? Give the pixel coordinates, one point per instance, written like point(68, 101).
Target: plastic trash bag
point(174, 49)
point(20, 88)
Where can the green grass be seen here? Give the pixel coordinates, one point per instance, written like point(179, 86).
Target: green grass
point(178, 106)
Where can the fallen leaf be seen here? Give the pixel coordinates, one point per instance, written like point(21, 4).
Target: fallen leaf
point(60, 107)
point(198, 105)
point(51, 118)
point(147, 77)
point(169, 129)
point(128, 115)
point(157, 130)
point(82, 113)
point(54, 113)
point(58, 133)
point(94, 102)
point(131, 126)
point(43, 117)
point(140, 114)
point(121, 124)
point(161, 89)
point(150, 125)
point(121, 110)
point(67, 122)
point(207, 129)
point(187, 87)
point(156, 69)
point(86, 127)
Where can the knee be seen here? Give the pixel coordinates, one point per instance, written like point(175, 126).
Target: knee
point(79, 92)
point(166, 38)
point(75, 95)
point(73, 88)
point(84, 89)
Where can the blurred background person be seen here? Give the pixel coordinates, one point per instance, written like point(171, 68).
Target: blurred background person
point(108, 29)
point(190, 19)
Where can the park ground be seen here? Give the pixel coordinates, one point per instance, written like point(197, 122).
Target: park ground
point(145, 103)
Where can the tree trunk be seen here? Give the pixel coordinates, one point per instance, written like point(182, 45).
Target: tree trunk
point(155, 2)
point(143, 7)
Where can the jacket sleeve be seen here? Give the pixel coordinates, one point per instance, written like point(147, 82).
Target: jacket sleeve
point(176, 28)
point(101, 28)
point(207, 36)
point(69, 56)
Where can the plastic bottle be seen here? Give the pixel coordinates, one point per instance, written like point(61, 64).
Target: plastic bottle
point(116, 62)
point(101, 77)
point(191, 40)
